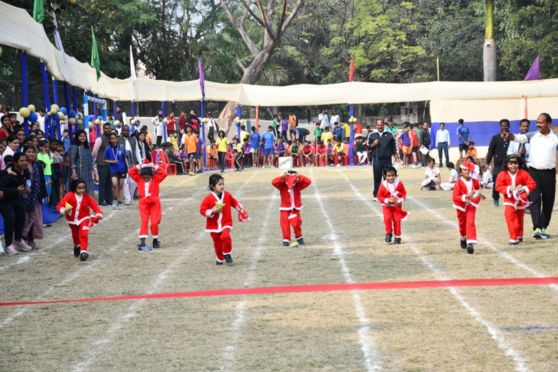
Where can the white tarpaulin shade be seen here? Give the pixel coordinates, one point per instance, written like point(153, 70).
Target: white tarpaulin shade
point(19, 30)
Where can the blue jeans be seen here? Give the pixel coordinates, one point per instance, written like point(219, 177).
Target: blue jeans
point(443, 146)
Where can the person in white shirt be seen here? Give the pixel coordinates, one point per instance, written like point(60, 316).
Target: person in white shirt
point(324, 120)
point(542, 167)
point(452, 179)
point(157, 121)
point(443, 143)
point(432, 176)
point(521, 149)
point(486, 178)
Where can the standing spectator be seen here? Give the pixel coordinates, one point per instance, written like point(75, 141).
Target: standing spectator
point(6, 130)
point(254, 145)
point(269, 146)
point(46, 159)
point(121, 116)
point(191, 147)
point(115, 156)
point(105, 184)
point(497, 150)
point(383, 146)
point(157, 121)
point(12, 148)
point(463, 137)
point(521, 149)
point(414, 144)
point(542, 167)
point(275, 125)
point(193, 121)
point(324, 120)
point(293, 121)
point(171, 123)
point(222, 142)
point(443, 143)
point(212, 128)
point(81, 161)
point(130, 144)
point(143, 151)
point(182, 125)
point(317, 133)
point(337, 132)
point(33, 226)
point(284, 127)
point(425, 143)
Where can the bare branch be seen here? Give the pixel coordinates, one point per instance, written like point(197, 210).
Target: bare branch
point(241, 64)
point(291, 16)
point(239, 25)
point(261, 21)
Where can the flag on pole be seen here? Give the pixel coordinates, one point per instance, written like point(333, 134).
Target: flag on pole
point(352, 70)
point(132, 65)
point(95, 59)
point(38, 11)
point(201, 77)
point(535, 70)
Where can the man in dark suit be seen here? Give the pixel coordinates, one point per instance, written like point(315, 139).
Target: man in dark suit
point(498, 150)
point(383, 148)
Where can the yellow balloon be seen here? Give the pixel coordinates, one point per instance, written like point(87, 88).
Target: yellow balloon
point(80, 122)
point(72, 121)
point(24, 112)
point(91, 124)
point(54, 108)
point(61, 115)
point(97, 121)
point(117, 122)
point(31, 108)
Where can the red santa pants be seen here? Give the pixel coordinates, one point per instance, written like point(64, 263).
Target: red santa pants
point(288, 219)
point(466, 220)
point(392, 220)
point(514, 219)
point(222, 243)
point(80, 234)
point(149, 209)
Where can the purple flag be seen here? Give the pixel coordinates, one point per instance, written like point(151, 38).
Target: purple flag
point(535, 70)
point(202, 79)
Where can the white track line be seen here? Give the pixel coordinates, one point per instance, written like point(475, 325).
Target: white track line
point(119, 324)
point(487, 243)
point(229, 353)
point(371, 358)
point(495, 334)
point(77, 273)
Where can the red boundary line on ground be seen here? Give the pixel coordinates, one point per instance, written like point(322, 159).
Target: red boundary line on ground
point(373, 286)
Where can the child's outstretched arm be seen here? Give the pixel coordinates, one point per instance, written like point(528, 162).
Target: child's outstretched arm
point(304, 182)
point(94, 206)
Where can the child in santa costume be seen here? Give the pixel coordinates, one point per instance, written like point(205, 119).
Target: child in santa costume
point(466, 198)
point(148, 178)
point(290, 185)
point(216, 207)
point(76, 206)
point(515, 184)
point(391, 195)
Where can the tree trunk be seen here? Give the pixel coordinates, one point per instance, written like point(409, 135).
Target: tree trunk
point(489, 46)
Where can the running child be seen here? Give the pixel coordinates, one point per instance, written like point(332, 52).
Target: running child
point(466, 199)
point(76, 206)
point(216, 207)
point(148, 178)
point(290, 184)
point(515, 185)
point(391, 195)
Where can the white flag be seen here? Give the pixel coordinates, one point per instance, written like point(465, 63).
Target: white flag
point(132, 65)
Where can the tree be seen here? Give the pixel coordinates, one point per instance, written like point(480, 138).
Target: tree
point(272, 20)
point(489, 46)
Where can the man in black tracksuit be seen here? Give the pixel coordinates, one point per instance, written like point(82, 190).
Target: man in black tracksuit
point(498, 150)
point(425, 141)
point(383, 148)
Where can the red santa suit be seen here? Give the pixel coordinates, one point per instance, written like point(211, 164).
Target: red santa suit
point(79, 217)
point(466, 206)
point(219, 224)
point(393, 213)
point(289, 187)
point(149, 205)
point(515, 188)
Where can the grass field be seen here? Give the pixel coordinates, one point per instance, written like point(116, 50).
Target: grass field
point(465, 328)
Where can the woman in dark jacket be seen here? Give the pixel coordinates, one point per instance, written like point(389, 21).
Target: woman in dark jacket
point(33, 226)
point(13, 186)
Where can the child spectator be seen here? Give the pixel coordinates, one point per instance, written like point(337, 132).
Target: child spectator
point(431, 176)
point(452, 179)
point(362, 154)
point(391, 195)
point(216, 208)
point(486, 178)
point(115, 156)
point(222, 143)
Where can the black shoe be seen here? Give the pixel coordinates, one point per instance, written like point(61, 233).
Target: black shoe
point(470, 248)
point(300, 241)
point(76, 251)
point(520, 240)
point(83, 256)
point(397, 241)
point(228, 259)
point(156, 243)
point(286, 244)
point(388, 238)
point(463, 243)
point(218, 263)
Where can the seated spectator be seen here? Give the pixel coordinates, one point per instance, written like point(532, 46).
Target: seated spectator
point(453, 177)
point(432, 176)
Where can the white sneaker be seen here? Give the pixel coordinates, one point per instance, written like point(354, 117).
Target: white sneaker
point(22, 246)
point(1, 248)
point(10, 250)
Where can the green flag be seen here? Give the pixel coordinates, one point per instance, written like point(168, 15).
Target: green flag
point(95, 59)
point(38, 11)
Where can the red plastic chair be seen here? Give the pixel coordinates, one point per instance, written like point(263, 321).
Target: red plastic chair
point(169, 167)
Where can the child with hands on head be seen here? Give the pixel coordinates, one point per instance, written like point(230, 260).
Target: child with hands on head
point(77, 205)
point(216, 208)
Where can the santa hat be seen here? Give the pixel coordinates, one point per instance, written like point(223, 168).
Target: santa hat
point(467, 165)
